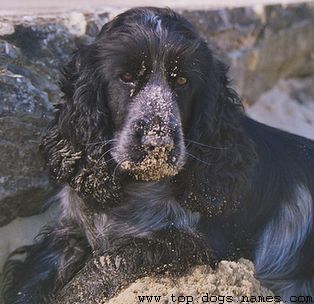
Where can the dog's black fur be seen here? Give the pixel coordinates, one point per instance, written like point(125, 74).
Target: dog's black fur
point(155, 152)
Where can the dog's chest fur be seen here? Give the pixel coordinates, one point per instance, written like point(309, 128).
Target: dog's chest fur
point(148, 207)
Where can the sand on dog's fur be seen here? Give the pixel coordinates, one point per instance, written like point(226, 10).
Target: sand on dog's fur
point(153, 167)
point(234, 279)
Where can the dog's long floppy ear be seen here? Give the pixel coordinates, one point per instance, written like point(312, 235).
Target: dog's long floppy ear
point(76, 144)
point(220, 155)
point(84, 118)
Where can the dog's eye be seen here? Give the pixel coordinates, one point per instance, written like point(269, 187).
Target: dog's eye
point(181, 81)
point(127, 77)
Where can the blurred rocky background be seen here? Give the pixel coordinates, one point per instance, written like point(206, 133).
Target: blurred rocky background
point(270, 49)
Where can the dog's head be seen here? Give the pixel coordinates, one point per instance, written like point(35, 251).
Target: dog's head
point(153, 64)
point(139, 100)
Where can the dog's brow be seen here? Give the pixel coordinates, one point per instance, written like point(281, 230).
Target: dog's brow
point(158, 25)
point(155, 20)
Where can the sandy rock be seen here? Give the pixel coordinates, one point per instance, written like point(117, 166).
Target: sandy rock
point(6, 28)
point(230, 279)
point(283, 49)
point(76, 23)
point(261, 44)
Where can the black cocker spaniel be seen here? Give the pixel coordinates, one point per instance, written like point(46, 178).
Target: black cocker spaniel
point(161, 168)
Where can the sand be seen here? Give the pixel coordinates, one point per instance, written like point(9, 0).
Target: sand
point(229, 283)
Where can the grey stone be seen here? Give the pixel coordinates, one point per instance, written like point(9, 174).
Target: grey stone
point(6, 28)
point(23, 181)
point(31, 56)
point(260, 46)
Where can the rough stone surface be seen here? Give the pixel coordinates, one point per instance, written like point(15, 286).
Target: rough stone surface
point(32, 52)
point(262, 44)
point(231, 279)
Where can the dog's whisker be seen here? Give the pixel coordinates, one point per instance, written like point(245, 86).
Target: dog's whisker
point(112, 140)
point(207, 146)
point(94, 143)
point(104, 154)
point(101, 142)
point(115, 169)
point(196, 158)
point(110, 159)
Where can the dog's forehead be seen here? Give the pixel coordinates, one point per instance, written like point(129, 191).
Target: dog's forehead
point(157, 41)
point(150, 39)
point(155, 20)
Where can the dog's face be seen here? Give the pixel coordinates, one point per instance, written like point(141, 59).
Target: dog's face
point(151, 63)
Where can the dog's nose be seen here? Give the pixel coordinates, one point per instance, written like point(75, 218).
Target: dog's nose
point(150, 142)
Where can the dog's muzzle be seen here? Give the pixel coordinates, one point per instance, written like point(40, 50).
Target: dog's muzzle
point(153, 139)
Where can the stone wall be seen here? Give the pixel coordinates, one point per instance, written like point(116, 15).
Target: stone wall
point(270, 50)
point(262, 45)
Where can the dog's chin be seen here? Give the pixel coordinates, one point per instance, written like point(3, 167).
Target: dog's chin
point(150, 171)
point(155, 166)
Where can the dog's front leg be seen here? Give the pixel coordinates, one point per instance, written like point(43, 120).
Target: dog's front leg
point(169, 251)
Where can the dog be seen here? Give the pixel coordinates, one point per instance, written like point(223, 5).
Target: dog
point(160, 166)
